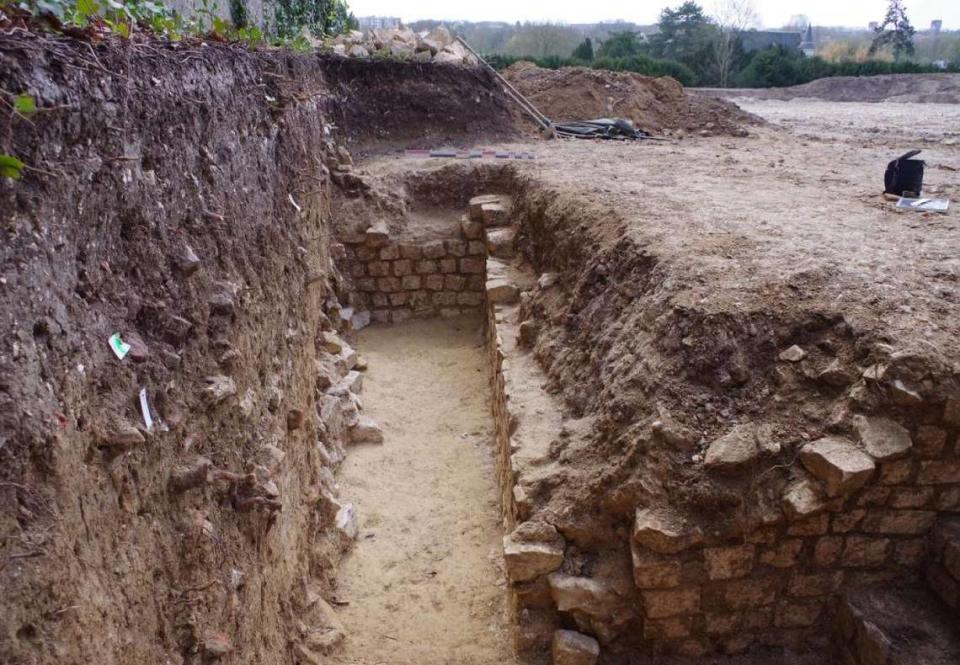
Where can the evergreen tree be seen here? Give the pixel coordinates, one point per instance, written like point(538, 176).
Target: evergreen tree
point(620, 45)
point(687, 35)
point(584, 51)
point(895, 31)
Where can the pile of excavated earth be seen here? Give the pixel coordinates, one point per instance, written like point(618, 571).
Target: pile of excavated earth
point(659, 105)
point(242, 405)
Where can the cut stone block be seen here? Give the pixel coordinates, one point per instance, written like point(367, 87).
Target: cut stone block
point(528, 560)
point(663, 531)
point(675, 602)
point(837, 462)
point(495, 214)
point(500, 242)
point(724, 563)
point(377, 235)
point(882, 438)
point(573, 648)
point(502, 291)
point(582, 594)
point(470, 229)
point(651, 571)
point(475, 209)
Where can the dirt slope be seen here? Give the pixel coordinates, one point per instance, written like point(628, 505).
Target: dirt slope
point(916, 88)
point(653, 104)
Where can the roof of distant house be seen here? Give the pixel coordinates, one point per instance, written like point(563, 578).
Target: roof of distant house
point(757, 40)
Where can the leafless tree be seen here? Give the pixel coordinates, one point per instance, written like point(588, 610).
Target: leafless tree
point(731, 18)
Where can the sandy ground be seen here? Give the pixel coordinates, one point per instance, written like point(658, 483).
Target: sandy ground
point(794, 209)
point(425, 583)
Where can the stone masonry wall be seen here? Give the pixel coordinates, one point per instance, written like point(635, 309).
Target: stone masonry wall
point(395, 281)
point(853, 508)
point(856, 512)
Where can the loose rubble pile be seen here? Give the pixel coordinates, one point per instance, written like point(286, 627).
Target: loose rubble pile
point(437, 46)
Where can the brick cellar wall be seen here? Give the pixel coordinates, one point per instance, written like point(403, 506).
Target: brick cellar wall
point(839, 526)
point(396, 281)
point(779, 584)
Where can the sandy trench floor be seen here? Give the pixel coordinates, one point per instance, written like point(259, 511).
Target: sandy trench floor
point(425, 584)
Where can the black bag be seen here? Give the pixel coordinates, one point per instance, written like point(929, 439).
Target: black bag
point(904, 175)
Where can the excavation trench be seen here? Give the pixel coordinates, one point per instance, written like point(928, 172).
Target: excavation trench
point(619, 538)
point(424, 583)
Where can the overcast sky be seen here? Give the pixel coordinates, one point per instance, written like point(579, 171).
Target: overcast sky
point(773, 13)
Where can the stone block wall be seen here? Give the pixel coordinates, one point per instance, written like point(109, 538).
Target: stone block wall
point(395, 280)
point(861, 514)
point(852, 510)
point(943, 565)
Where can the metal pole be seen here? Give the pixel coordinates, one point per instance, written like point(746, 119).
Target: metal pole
point(524, 103)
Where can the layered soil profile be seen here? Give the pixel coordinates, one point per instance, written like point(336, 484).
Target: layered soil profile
point(179, 195)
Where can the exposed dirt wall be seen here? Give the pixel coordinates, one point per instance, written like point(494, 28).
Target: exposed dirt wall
point(181, 197)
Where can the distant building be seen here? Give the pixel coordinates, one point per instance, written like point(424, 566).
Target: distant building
point(758, 40)
point(936, 26)
point(382, 22)
point(808, 45)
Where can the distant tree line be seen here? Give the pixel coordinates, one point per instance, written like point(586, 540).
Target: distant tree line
point(700, 49)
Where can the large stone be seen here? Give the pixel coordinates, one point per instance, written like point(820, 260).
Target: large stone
point(495, 214)
point(377, 235)
point(583, 594)
point(500, 242)
point(366, 430)
point(740, 447)
point(471, 230)
point(651, 571)
point(837, 462)
point(572, 648)
point(837, 375)
point(441, 36)
point(331, 341)
point(882, 438)
point(187, 261)
point(724, 563)
point(215, 644)
point(793, 355)
point(529, 559)
point(122, 436)
point(802, 499)
point(663, 531)
point(475, 207)
point(951, 412)
point(347, 521)
point(218, 388)
point(675, 602)
point(502, 291)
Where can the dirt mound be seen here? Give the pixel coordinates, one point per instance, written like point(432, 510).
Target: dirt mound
point(915, 88)
point(656, 104)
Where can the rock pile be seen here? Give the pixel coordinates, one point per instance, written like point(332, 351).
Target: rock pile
point(437, 46)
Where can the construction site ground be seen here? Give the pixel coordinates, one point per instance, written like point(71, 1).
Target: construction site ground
point(792, 212)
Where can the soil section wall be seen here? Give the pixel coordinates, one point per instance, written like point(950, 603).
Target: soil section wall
point(179, 195)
